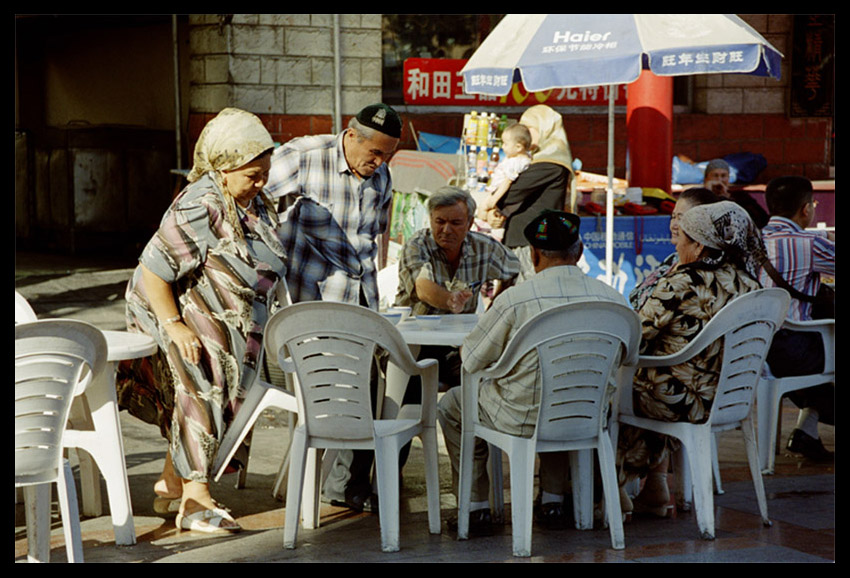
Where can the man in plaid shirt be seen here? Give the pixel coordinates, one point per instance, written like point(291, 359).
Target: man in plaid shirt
point(334, 195)
point(442, 268)
point(441, 271)
point(335, 192)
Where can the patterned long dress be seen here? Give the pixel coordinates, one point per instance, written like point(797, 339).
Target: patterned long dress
point(224, 285)
point(678, 308)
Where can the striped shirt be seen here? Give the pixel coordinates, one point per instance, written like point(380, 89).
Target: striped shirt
point(482, 259)
point(801, 257)
point(340, 227)
point(512, 402)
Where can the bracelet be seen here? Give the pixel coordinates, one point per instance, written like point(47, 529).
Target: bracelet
point(171, 320)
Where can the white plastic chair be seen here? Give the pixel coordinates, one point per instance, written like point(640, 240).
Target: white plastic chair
point(330, 348)
point(580, 346)
point(746, 325)
point(771, 389)
point(24, 313)
point(53, 358)
point(94, 427)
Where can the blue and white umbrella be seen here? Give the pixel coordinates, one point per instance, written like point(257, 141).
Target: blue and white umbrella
point(548, 51)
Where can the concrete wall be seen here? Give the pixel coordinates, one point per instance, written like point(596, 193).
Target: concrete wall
point(283, 63)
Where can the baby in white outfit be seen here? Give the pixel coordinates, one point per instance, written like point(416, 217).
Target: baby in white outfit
point(516, 142)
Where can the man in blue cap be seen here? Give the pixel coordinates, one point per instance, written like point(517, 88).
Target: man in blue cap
point(509, 404)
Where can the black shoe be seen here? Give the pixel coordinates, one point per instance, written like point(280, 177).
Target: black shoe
point(480, 523)
point(811, 448)
point(359, 501)
point(551, 516)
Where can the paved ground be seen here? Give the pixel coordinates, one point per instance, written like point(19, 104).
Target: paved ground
point(801, 496)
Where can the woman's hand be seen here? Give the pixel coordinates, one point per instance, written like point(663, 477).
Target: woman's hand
point(185, 340)
point(165, 308)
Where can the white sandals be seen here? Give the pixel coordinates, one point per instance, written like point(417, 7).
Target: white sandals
point(215, 521)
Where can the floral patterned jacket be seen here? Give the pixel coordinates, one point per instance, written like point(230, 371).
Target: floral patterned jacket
point(680, 305)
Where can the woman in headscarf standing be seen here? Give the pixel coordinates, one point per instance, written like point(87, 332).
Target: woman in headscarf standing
point(203, 290)
point(719, 254)
point(543, 185)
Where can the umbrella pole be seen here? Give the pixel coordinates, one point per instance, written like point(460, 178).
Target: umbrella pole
point(609, 197)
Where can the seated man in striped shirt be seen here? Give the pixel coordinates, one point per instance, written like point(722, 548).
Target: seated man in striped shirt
point(800, 257)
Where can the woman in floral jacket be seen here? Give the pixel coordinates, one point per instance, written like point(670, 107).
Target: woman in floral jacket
point(719, 248)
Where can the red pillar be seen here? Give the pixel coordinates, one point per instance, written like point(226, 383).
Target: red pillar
point(649, 122)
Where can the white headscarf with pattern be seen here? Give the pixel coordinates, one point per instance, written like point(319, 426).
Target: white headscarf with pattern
point(726, 226)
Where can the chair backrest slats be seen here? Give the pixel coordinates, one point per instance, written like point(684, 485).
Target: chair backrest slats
point(579, 346)
point(332, 349)
point(751, 320)
point(575, 385)
point(51, 358)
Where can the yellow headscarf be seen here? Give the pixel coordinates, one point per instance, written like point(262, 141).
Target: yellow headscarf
point(552, 144)
point(231, 140)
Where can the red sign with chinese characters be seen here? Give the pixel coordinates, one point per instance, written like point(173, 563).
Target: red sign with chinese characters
point(437, 81)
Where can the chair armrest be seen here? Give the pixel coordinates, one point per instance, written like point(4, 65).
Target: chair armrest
point(470, 382)
point(469, 396)
point(426, 363)
point(666, 360)
point(826, 328)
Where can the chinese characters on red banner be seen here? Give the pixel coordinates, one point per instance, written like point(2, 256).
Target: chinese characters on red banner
point(437, 81)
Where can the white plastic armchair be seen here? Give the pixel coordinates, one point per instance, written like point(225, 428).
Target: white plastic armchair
point(580, 348)
point(331, 348)
point(53, 358)
point(746, 325)
point(771, 389)
point(93, 430)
